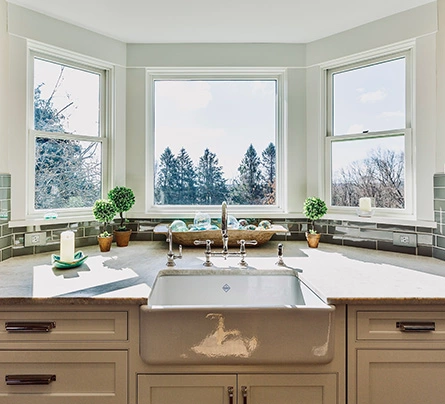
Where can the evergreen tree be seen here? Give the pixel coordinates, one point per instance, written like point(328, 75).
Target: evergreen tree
point(212, 189)
point(67, 172)
point(166, 189)
point(248, 187)
point(269, 160)
point(186, 179)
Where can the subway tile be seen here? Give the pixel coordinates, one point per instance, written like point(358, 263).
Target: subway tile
point(19, 251)
point(425, 251)
point(388, 246)
point(439, 204)
point(440, 241)
point(49, 248)
point(6, 253)
point(5, 193)
point(395, 227)
point(439, 180)
point(376, 234)
point(439, 193)
point(351, 242)
point(424, 239)
point(439, 253)
point(331, 239)
point(353, 232)
point(5, 180)
point(424, 229)
point(5, 242)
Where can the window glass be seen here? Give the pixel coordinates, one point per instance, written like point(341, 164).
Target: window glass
point(369, 98)
point(67, 143)
point(369, 167)
point(215, 140)
point(65, 99)
point(369, 134)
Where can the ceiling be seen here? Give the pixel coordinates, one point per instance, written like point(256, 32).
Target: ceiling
point(211, 21)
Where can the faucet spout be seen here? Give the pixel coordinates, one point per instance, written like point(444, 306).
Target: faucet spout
point(224, 229)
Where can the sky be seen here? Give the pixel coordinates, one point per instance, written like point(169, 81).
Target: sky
point(368, 99)
point(224, 116)
point(77, 86)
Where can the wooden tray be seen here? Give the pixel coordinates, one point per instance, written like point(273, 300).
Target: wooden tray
point(187, 238)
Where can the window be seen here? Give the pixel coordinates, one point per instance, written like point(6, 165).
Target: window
point(368, 133)
point(215, 139)
point(67, 135)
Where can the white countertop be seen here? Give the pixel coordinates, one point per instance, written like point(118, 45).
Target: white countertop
point(341, 275)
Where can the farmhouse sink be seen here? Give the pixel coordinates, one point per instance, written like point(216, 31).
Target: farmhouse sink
point(235, 317)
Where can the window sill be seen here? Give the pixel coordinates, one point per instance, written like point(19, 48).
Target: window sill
point(35, 223)
point(389, 220)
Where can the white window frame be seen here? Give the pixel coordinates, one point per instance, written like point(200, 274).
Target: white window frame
point(407, 132)
point(228, 74)
point(106, 72)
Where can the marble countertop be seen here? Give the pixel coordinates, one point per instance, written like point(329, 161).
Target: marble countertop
point(341, 275)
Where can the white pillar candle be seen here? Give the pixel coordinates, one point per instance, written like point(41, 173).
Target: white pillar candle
point(67, 246)
point(364, 204)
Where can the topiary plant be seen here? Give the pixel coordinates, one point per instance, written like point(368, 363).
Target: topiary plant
point(104, 211)
point(314, 208)
point(124, 199)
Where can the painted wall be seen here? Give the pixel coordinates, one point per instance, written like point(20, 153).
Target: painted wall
point(418, 26)
point(25, 25)
point(3, 89)
point(440, 72)
point(304, 65)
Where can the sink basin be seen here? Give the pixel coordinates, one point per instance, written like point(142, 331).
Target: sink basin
point(235, 317)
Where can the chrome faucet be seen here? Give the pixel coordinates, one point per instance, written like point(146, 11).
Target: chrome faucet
point(170, 255)
point(225, 242)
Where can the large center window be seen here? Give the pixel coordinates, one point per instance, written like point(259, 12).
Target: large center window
point(369, 135)
point(215, 140)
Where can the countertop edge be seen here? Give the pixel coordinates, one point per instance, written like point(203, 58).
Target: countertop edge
point(385, 300)
point(82, 301)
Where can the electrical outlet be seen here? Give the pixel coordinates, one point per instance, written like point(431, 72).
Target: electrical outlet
point(404, 239)
point(34, 239)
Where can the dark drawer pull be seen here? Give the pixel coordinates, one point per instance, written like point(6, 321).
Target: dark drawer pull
point(26, 326)
point(20, 380)
point(416, 326)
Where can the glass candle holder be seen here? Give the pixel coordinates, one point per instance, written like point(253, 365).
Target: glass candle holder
point(366, 207)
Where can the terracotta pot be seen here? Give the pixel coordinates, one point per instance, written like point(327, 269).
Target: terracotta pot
point(122, 237)
point(105, 243)
point(313, 239)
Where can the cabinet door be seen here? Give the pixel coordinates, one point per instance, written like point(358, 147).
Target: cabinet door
point(400, 376)
point(288, 389)
point(186, 389)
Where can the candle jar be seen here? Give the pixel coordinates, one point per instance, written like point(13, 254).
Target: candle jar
point(366, 207)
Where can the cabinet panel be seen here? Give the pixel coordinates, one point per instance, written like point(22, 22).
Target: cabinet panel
point(419, 326)
point(186, 389)
point(288, 389)
point(68, 326)
point(400, 376)
point(80, 377)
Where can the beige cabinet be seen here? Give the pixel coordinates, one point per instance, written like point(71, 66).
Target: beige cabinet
point(63, 356)
point(396, 355)
point(238, 389)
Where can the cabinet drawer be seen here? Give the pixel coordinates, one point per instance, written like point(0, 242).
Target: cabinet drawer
point(415, 326)
point(63, 326)
point(81, 377)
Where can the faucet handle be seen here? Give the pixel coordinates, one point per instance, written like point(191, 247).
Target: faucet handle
point(247, 242)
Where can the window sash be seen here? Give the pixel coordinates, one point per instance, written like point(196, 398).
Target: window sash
point(279, 75)
point(330, 138)
point(102, 138)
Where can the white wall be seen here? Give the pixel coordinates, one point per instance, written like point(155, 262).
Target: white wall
point(440, 116)
point(418, 26)
point(141, 57)
point(25, 25)
point(305, 108)
point(3, 89)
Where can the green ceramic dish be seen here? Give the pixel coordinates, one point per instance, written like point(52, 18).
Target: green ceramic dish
point(79, 259)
